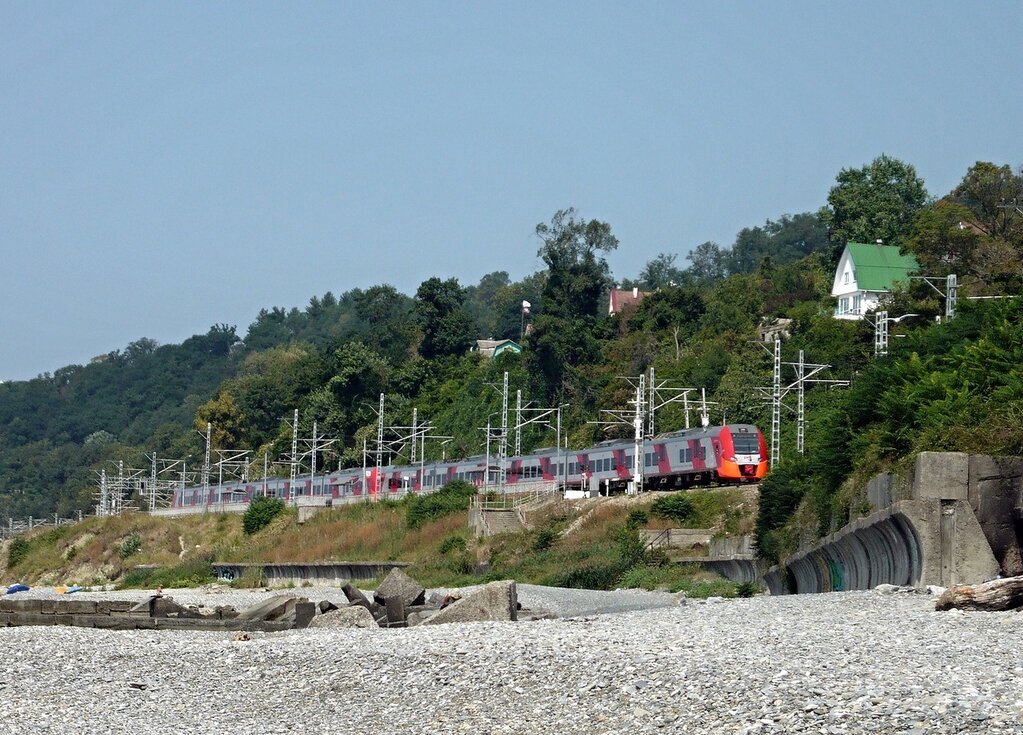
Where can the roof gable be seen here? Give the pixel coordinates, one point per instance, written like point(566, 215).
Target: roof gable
point(879, 267)
point(494, 347)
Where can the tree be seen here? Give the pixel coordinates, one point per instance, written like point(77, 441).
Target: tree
point(577, 273)
point(783, 241)
point(876, 202)
point(441, 315)
point(577, 277)
point(985, 190)
point(943, 239)
point(661, 272)
point(384, 321)
point(707, 262)
point(227, 421)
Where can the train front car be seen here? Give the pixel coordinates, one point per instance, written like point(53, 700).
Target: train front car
point(743, 454)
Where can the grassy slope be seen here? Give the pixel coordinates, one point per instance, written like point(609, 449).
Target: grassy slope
point(566, 537)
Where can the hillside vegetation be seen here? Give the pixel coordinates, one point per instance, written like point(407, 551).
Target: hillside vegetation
point(589, 544)
point(949, 386)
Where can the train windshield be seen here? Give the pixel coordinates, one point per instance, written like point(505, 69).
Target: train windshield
point(745, 443)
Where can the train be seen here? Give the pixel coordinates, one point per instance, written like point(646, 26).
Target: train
point(728, 454)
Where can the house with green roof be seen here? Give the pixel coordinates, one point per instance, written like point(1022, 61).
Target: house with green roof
point(865, 273)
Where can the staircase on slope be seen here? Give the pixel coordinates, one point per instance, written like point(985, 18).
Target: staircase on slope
point(501, 521)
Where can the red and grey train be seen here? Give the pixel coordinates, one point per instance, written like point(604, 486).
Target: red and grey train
point(734, 453)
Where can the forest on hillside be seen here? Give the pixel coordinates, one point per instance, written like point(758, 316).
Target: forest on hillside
point(955, 385)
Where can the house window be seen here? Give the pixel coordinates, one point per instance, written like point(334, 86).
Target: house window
point(843, 305)
point(858, 303)
point(846, 279)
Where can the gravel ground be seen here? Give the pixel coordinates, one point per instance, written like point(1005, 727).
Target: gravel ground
point(835, 663)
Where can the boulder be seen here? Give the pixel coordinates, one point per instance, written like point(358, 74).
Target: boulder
point(327, 606)
point(494, 601)
point(400, 585)
point(354, 616)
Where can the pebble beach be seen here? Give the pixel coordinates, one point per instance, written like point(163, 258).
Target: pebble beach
point(615, 662)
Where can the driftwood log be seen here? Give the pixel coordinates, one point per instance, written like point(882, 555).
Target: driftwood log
point(998, 594)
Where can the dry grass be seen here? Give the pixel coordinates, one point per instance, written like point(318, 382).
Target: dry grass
point(583, 533)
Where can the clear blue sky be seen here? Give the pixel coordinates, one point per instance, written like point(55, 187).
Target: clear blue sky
point(167, 166)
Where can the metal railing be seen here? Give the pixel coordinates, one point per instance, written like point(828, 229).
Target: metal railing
point(15, 526)
point(514, 497)
point(661, 539)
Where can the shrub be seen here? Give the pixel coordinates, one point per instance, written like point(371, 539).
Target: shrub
point(545, 539)
point(17, 551)
point(252, 577)
point(191, 573)
point(676, 507)
point(452, 498)
point(260, 512)
point(452, 543)
point(746, 589)
point(130, 545)
point(461, 563)
point(589, 577)
point(631, 548)
point(637, 518)
point(138, 577)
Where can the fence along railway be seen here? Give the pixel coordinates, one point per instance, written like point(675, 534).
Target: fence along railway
point(697, 457)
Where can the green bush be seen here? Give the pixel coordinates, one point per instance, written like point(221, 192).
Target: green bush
point(631, 548)
point(589, 577)
point(130, 545)
point(675, 507)
point(452, 498)
point(746, 589)
point(637, 518)
point(675, 578)
point(251, 578)
point(452, 543)
point(17, 551)
point(138, 577)
point(461, 563)
point(545, 539)
point(260, 512)
point(191, 573)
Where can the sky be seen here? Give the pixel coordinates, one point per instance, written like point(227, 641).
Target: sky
point(169, 166)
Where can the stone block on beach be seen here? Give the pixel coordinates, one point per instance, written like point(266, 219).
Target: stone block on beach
point(494, 601)
point(400, 585)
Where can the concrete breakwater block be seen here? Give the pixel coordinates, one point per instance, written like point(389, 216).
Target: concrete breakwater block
point(399, 585)
point(494, 601)
point(355, 616)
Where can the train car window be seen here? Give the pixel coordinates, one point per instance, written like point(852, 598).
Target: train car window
point(745, 443)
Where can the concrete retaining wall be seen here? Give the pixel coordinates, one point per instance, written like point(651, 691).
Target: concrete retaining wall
point(677, 538)
point(958, 528)
point(735, 569)
point(327, 572)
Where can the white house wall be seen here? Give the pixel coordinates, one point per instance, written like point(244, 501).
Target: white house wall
point(845, 277)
